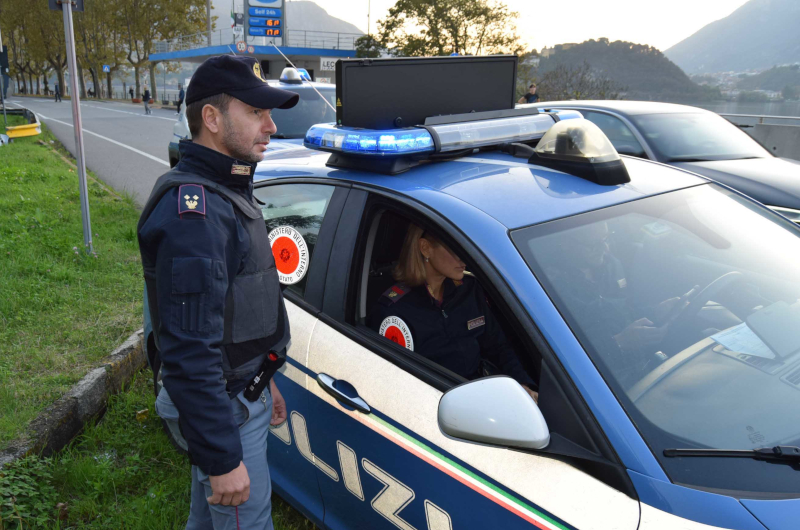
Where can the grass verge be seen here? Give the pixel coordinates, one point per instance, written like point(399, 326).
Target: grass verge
point(61, 309)
point(120, 473)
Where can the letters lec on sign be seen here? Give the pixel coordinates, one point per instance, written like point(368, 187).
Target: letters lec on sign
point(328, 64)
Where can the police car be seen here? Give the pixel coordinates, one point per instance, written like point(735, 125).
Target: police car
point(292, 124)
point(657, 311)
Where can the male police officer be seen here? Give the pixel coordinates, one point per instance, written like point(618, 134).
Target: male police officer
point(218, 315)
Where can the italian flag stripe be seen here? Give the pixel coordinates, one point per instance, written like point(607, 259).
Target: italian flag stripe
point(458, 472)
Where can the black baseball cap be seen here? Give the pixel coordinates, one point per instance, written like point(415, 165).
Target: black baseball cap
point(240, 77)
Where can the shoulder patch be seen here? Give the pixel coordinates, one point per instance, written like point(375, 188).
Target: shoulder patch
point(396, 292)
point(191, 199)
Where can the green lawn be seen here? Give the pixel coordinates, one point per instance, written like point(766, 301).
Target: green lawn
point(61, 310)
point(121, 473)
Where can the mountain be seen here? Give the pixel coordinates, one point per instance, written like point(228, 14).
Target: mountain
point(642, 70)
point(303, 15)
point(758, 35)
point(775, 79)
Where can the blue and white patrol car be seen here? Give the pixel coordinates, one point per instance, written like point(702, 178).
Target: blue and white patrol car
point(292, 123)
point(658, 312)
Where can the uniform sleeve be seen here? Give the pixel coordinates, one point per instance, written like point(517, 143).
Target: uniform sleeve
point(195, 257)
point(496, 347)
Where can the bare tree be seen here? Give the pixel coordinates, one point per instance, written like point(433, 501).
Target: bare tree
point(578, 82)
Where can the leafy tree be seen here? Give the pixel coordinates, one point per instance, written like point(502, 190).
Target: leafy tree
point(368, 46)
point(443, 27)
point(790, 92)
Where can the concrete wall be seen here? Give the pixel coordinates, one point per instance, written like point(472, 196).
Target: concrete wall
point(781, 140)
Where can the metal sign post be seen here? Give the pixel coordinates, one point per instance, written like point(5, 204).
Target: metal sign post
point(3, 68)
point(66, 8)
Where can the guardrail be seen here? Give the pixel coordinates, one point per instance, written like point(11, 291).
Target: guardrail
point(294, 38)
point(759, 118)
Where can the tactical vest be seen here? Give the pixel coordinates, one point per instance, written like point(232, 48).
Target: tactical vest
point(255, 320)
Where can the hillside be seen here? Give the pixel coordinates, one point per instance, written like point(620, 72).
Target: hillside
point(775, 79)
point(758, 35)
point(642, 69)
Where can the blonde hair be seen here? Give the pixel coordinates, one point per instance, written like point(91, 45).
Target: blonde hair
point(410, 268)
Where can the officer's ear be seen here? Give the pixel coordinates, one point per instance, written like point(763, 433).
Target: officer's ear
point(212, 118)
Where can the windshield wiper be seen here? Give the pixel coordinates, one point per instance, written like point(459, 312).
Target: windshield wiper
point(779, 452)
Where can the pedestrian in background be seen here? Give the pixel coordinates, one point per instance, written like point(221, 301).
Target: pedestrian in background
point(146, 100)
point(130, 91)
point(181, 95)
point(531, 96)
point(57, 92)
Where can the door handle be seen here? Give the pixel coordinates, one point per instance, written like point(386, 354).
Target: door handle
point(343, 391)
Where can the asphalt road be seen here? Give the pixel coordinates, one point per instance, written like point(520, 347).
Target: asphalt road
point(123, 147)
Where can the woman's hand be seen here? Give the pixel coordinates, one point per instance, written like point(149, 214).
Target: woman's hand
point(534, 394)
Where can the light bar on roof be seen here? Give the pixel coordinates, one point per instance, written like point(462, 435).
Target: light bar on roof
point(469, 135)
point(393, 142)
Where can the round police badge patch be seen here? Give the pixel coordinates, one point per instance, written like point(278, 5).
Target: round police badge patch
point(394, 329)
point(291, 254)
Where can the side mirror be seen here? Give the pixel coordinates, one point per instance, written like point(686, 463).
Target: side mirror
point(494, 410)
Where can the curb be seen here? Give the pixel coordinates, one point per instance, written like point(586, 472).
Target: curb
point(54, 428)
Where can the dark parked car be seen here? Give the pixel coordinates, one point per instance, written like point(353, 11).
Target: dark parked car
point(696, 140)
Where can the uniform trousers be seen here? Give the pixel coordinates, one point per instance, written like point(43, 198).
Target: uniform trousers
point(253, 421)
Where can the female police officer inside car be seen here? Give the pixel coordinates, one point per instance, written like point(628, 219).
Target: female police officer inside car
point(441, 313)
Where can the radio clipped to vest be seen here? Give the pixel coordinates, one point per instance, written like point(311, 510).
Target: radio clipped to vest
point(272, 363)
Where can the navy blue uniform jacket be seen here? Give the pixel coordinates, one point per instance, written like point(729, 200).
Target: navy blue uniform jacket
point(198, 251)
point(457, 334)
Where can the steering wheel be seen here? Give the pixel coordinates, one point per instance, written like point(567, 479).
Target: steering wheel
point(691, 309)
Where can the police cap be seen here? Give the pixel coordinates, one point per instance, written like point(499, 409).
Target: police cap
point(241, 78)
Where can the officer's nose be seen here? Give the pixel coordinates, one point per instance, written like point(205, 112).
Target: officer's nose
point(268, 125)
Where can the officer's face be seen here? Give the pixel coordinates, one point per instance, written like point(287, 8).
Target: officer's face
point(246, 131)
point(442, 260)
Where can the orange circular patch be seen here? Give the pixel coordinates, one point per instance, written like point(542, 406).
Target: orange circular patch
point(394, 334)
point(287, 255)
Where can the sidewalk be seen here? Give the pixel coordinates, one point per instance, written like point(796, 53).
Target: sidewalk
point(153, 105)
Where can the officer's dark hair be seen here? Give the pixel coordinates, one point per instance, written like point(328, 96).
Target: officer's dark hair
point(194, 111)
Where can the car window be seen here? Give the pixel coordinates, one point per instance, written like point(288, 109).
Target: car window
point(460, 329)
point(617, 132)
point(293, 214)
point(696, 136)
point(310, 110)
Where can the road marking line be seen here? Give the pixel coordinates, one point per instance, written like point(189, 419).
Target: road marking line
point(126, 112)
point(151, 157)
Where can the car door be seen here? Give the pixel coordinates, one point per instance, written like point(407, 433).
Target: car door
point(382, 460)
point(301, 218)
point(621, 136)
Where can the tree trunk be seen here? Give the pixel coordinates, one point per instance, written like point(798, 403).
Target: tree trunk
point(30, 83)
point(95, 81)
point(138, 91)
point(153, 91)
point(108, 85)
point(81, 81)
point(20, 83)
point(38, 86)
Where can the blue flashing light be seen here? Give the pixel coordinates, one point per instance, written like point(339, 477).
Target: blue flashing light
point(304, 75)
point(395, 142)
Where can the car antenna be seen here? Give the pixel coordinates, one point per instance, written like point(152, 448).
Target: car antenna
point(312, 86)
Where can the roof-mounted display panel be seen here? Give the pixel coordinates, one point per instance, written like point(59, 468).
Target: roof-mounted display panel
point(403, 92)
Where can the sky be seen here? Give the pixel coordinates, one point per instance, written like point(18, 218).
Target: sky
point(654, 22)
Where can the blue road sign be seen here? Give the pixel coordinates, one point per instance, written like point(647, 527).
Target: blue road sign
point(106, 68)
point(265, 22)
point(265, 32)
point(264, 12)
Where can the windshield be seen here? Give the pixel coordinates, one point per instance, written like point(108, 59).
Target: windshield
point(696, 136)
point(689, 305)
point(310, 110)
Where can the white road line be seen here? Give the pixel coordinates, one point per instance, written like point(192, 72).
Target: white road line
point(126, 112)
point(151, 157)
